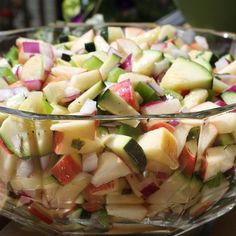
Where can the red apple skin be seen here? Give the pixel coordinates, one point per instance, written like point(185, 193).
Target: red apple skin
point(148, 187)
point(41, 214)
point(187, 162)
point(104, 187)
point(66, 169)
point(4, 147)
point(58, 138)
point(125, 90)
point(160, 124)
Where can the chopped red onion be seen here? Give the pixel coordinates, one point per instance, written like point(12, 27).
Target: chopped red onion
point(159, 46)
point(220, 103)
point(33, 85)
point(202, 42)
point(232, 89)
point(175, 52)
point(127, 64)
point(173, 122)
point(156, 87)
point(7, 93)
point(17, 70)
point(90, 162)
point(31, 47)
point(70, 91)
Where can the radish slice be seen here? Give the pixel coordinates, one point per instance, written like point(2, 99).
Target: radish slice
point(33, 85)
point(25, 168)
point(31, 47)
point(127, 64)
point(89, 107)
point(90, 162)
point(173, 122)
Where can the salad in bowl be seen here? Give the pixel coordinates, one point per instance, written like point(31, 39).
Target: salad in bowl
point(117, 127)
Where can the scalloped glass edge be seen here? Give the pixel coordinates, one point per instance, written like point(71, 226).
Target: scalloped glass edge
point(160, 227)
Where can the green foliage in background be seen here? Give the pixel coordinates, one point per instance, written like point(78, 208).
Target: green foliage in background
point(70, 8)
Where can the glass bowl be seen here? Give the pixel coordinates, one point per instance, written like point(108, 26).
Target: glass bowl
point(183, 200)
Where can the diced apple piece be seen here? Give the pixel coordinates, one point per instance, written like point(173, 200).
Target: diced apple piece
point(225, 123)
point(77, 129)
point(166, 107)
point(148, 37)
point(67, 168)
point(230, 69)
point(101, 44)
point(55, 91)
point(218, 159)
point(109, 161)
point(67, 194)
point(8, 163)
point(130, 212)
point(132, 32)
point(181, 133)
point(160, 145)
point(84, 81)
point(135, 78)
point(123, 199)
point(134, 183)
point(195, 97)
point(85, 38)
point(41, 213)
point(166, 32)
point(67, 143)
point(66, 71)
point(33, 69)
point(128, 47)
point(171, 191)
point(145, 63)
point(188, 157)
point(204, 106)
point(104, 189)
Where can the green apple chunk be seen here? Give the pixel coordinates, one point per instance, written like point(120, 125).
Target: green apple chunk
point(186, 75)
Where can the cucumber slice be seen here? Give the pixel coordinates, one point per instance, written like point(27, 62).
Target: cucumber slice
point(146, 92)
point(7, 74)
point(108, 65)
point(129, 150)
point(65, 57)
point(113, 103)
point(92, 63)
point(114, 74)
point(203, 62)
point(91, 93)
point(130, 131)
point(229, 97)
point(172, 94)
point(186, 75)
point(90, 47)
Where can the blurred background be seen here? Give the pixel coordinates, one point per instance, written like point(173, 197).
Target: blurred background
point(27, 13)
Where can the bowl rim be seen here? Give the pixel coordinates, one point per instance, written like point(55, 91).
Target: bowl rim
point(190, 115)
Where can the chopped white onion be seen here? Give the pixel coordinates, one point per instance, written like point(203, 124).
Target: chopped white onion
point(25, 168)
point(160, 66)
point(90, 162)
point(202, 42)
point(89, 107)
point(156, 87)
point(227, 78)
point(221, 64)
